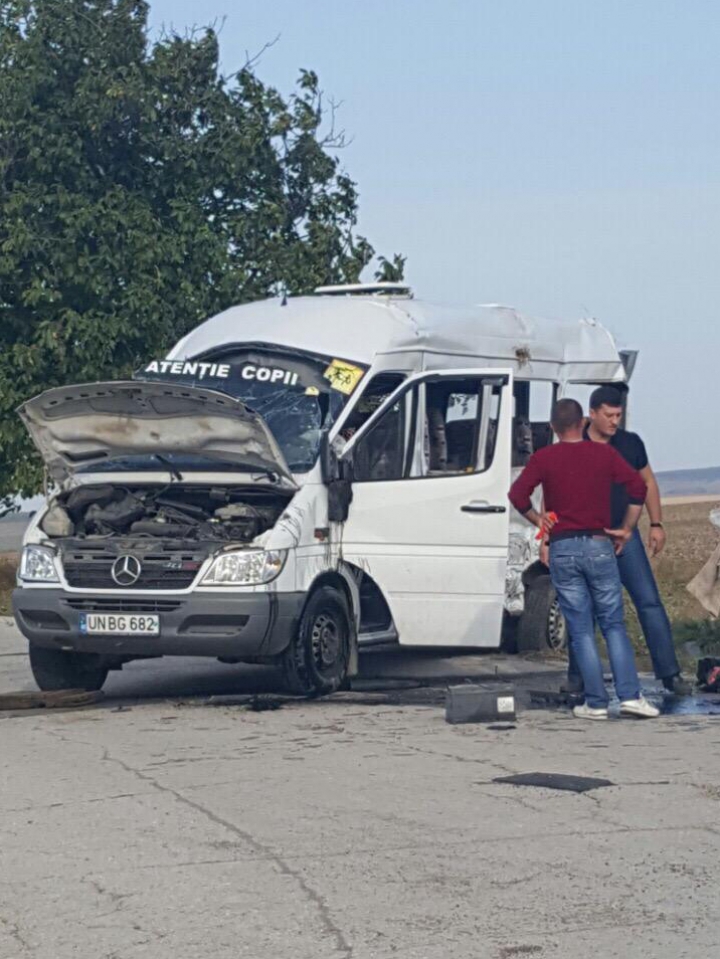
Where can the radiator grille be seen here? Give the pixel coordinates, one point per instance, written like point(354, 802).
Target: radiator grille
point(91, 568)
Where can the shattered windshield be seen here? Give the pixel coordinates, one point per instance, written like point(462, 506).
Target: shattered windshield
point(297, 395)
point(294, 418)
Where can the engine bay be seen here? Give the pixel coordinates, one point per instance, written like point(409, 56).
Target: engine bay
point(184, 512)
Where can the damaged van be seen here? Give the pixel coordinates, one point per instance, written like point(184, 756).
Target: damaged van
point(297, 479)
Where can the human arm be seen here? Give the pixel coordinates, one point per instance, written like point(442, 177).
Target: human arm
point(520, 497)
point(523, 488)
point(636, 491)
point(623, 474)
point(532, 516)
point(544, 554)
point(656, 536)
point(621, 536)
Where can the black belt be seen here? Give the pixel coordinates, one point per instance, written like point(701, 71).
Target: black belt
point(578, 534)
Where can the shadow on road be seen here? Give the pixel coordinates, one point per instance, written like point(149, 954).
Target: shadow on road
point(394, 673)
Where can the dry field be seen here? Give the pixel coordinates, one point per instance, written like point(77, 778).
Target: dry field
point(691, 539)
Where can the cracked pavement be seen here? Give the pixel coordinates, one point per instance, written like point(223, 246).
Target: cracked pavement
point(363, 826)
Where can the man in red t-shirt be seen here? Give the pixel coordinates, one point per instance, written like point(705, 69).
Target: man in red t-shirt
point(577, 479)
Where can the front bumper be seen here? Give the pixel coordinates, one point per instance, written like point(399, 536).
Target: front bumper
point(255, 625)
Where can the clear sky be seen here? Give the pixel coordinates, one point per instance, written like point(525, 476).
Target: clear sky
point(560, 156)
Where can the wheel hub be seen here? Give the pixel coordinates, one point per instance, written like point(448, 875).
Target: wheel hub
point(557, 628)
point(325, 640)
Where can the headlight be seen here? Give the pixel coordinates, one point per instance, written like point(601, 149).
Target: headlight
point(38, 565)
point(248, 568)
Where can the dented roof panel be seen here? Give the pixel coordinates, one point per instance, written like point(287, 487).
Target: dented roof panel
point(363, 327)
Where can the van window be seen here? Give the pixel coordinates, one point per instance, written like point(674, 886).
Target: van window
point(372, 397)
point(580, 392)
point(542, 398)
point(380, 453)
point(458, 419)
point(531, 418)
point(441, 427)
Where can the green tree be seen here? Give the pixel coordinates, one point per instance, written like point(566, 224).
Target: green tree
point(391, 271)
point(140, 192)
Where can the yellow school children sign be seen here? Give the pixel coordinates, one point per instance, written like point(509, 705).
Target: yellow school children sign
point(344, 377)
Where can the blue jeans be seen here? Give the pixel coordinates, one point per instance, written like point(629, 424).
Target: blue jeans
point(637, 577)
point(585, 575)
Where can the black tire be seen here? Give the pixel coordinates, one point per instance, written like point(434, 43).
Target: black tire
point(541, 625)
point(316, 661)
point(55, 669)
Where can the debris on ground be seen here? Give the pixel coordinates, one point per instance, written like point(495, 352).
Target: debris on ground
point(263, 704)
point(708, 674)
point(576, 784)
point(56, 699)
point(384, 685)
point(545, 698)
point(479, 704)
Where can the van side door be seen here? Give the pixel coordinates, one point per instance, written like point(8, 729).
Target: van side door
point(429, 515)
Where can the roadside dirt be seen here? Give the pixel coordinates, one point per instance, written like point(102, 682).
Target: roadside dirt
point(8, 565)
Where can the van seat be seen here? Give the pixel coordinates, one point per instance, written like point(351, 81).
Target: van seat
point(460, 435)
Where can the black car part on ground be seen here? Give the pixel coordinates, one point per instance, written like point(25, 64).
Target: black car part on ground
point(708, 674)
point(471, 703)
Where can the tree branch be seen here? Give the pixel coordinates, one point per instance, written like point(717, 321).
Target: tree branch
point(252, 61)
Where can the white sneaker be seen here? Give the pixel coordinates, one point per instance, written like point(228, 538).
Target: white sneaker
point(638, 707)
point(587, 712)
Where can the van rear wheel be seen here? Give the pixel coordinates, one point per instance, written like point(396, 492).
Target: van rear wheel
point(55, 669)
point(316, 661)
point(541, 625)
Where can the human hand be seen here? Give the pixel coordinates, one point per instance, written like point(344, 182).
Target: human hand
point(546, 523)
point(620, 537)
point(549, 520)
point(656, 540)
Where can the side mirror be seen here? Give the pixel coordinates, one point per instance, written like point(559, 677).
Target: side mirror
point(337, 476)
point(345, 468)
point(340, 494)
point(328, 459)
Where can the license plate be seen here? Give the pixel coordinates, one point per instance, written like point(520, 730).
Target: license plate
point(120, 624)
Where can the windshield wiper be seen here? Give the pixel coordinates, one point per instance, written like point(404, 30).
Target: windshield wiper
point(173, 470)
point(272, 475)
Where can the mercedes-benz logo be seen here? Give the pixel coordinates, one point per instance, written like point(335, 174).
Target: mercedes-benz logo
point(126, 570)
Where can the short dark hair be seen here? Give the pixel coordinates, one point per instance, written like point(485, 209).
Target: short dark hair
point(566, 414)
point(605, 396)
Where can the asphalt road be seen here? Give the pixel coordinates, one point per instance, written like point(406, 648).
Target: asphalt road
point(172, 822)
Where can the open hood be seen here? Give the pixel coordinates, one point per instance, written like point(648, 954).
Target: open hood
point(80, 426)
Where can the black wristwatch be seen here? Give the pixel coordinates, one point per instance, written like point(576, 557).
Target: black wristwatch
point(657, 526)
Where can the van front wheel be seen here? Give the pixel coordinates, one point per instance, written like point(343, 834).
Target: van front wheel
point(316, 661)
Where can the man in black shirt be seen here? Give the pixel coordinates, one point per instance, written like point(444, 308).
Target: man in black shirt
point(635, 570)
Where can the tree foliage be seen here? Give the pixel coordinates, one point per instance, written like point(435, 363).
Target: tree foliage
point(140, 192)
point(391, 271)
